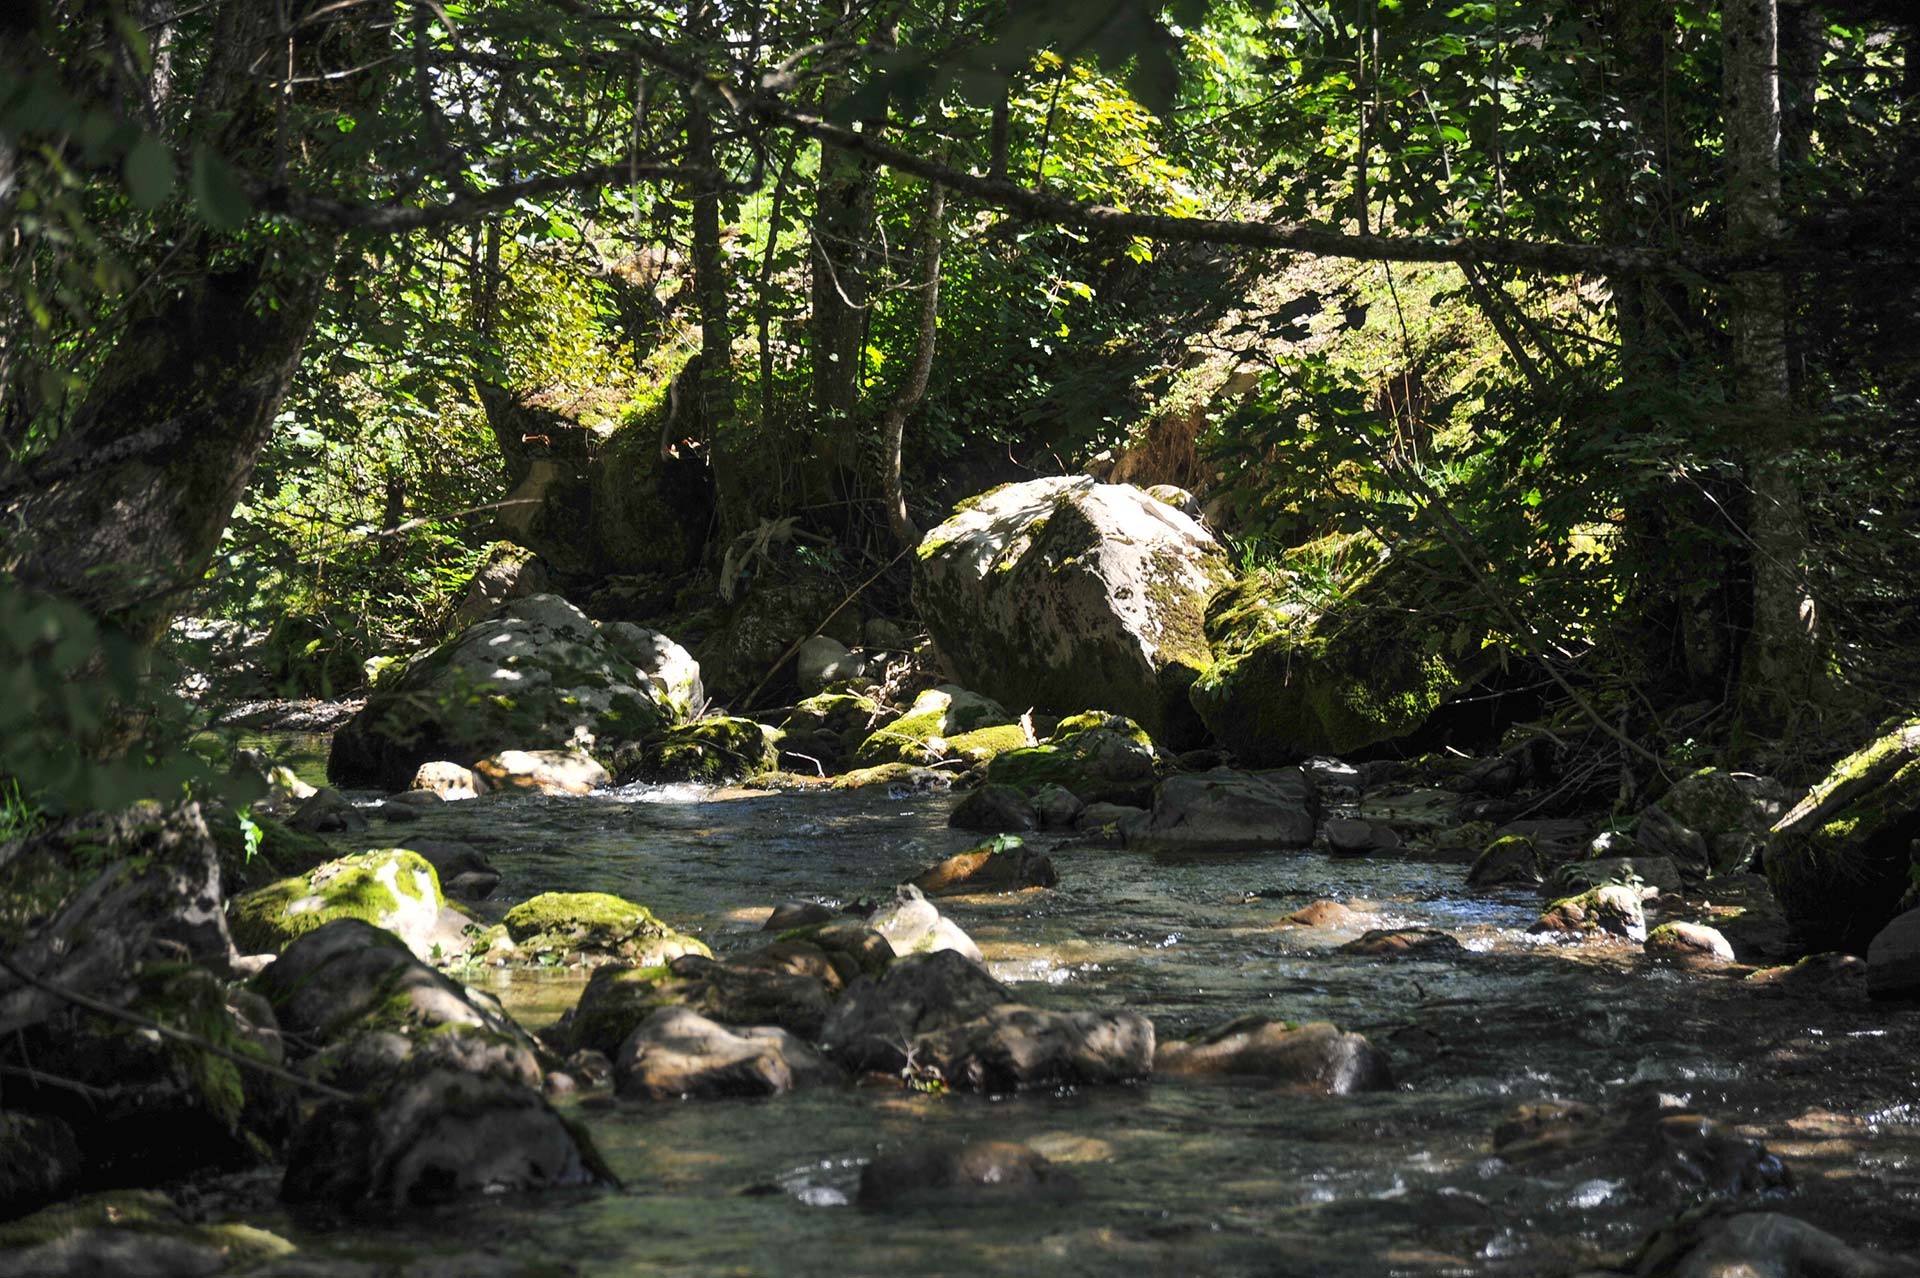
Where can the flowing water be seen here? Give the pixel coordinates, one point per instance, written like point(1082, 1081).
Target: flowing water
point(1189, 1176)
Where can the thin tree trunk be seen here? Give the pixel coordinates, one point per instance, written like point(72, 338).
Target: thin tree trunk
point(764, 318)
point(894, 425)
point(1781, 661)
point(715, 384)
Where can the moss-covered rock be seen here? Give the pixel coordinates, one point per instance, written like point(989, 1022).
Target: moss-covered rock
point(1064, 592)
point(923, 733)
point(537, 674)
point(1511, 858)
point(131, 1231)
point(509, 572)
point(888, 775)
point(828, 727)
point(390, 888)
point(1712, 821)
point(1613, 910)
point(1096, 764)
point(276, 853)
point(1297, 676)
point(618, 999)
point(713, 751)
point(596, 927)
point(1842, 860)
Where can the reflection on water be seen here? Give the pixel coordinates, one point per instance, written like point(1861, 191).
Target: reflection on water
point(1190, 1177)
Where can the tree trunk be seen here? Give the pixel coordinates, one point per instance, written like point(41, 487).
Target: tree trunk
point(1781, 662)
point(842, 239)
point(715, 385)
point(894, 426)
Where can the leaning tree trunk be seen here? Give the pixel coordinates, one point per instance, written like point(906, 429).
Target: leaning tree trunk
point(893, 426)
point(1781, 664)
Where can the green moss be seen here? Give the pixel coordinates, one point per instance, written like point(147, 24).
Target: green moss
point(1091, 719)
point(593, 923)
point(382, 887)
point(713, 751)
point(982, 745)
point(882, 775)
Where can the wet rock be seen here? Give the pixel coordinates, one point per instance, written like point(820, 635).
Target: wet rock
point(1511, 858)
point(1096, 757)
point(1110, 822)
point(1317, 1058)
point(618, 999)
point(1575, 877)
point(1355, 836)
point(448, 780)
point(822, 661)
point(391, 888)
point(1063, 592)
point(536, 674)
point(433, 1138)
point(837, 952)
point(1555, 840)
point(1321, 914)
point(464, 870)
point(1057, 807)
point(1404, 942)
point(559, 772)
point(1714, 821)
point(1014, 1048)
point(1225, 809)
point(1840, 860)
point(794, 914)
point(1335, 777)
point(990, 1170)
point(1614, 910)
point(937, 716)
point(876, 1019)
point(1666, 1154)
point(1831, 977)
point(327, 812)
point(595, 927)
point(912, 925)
point(989, 869)
point(1893, 959)
point(994, 809)
point(39, 1161)
point(677, 1052)
point(358, 1004)
point(1758, 1245)
point(129, 1234)
point(900, 780)
point(711, 751)
point(828, 727)
point(1692, 944)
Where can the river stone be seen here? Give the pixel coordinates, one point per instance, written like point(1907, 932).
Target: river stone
point(432, 1138)
point(677, 1052)
point(594, 927)
point(1713, 820)
point(1613, 910)
point(1095, 763)
point(543, 771)
point(1064, 593)
point(1758, 1244)
point(1317, 1058)
point(1057, 807)
point(1014, 1048)
point(358, 997)
point(1841, 860)
point(1575, 877)
point(994, 809)
point(618, 999)
point(1225, 809)
point(913, 926)
point(1110, 822)
point(326, 811)
point(1321, 914)
point(448, 780)
point(464, 870)
point(390, 888)
point(536, 674)
point(1830, 977)
point(1689, 943)
point(796, 914)
point(1357, 836)
point(875, 1019)
point(922, 734)
point(1893, 959)
point(828, 726)
point(712, 751)
point(991, 1169)
point(130, 1234)
point(986, 869)
point(822, 661)
point(1403, 942)
point(1666, 1153)
point(1511, 858)
point(1295, 676)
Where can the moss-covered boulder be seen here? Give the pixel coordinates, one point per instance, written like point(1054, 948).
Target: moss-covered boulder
point(829, 726)
point(1296, 674)
point(594, 927)
point(1109, 763)
point(131, 1231)
point(1613, 910)
point(1712, 821)
point(1510, 858)
point(618, 999)
point(1842, 860)
point(509, 572)
point(390, 888)
point(891, 777)
point(536, 674)
point(922, 734)
point(1063, 592)
point(713, 751)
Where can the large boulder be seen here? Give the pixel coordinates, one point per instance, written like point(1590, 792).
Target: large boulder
point(1842, 859)
point(713, 751)
point(1096, 757)
point(536, 674)
point(1063, 593)
point(1224, 809)
point(594, 927)
point(391, 888)
point(1713, 821)
point(1296, 674)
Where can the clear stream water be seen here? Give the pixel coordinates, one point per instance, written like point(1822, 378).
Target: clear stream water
point(1181, 1177)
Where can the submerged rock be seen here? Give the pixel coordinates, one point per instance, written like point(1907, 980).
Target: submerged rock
point(595, 927)
point(977, 1169)
point(436, 1137)
point(1317, 1057)
point(1758, 1244)
point(1665, 1154)
point(676, 1052)
point(1831, 977)
point(1840, 862)
point(1225, 809)
point(1321, 914)
point(536, 674)
point(1404, 942)
point(1064, 592)
point(989, 868)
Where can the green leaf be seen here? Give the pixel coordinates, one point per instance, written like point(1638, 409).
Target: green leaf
point(149, 171)
point(217, 194)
